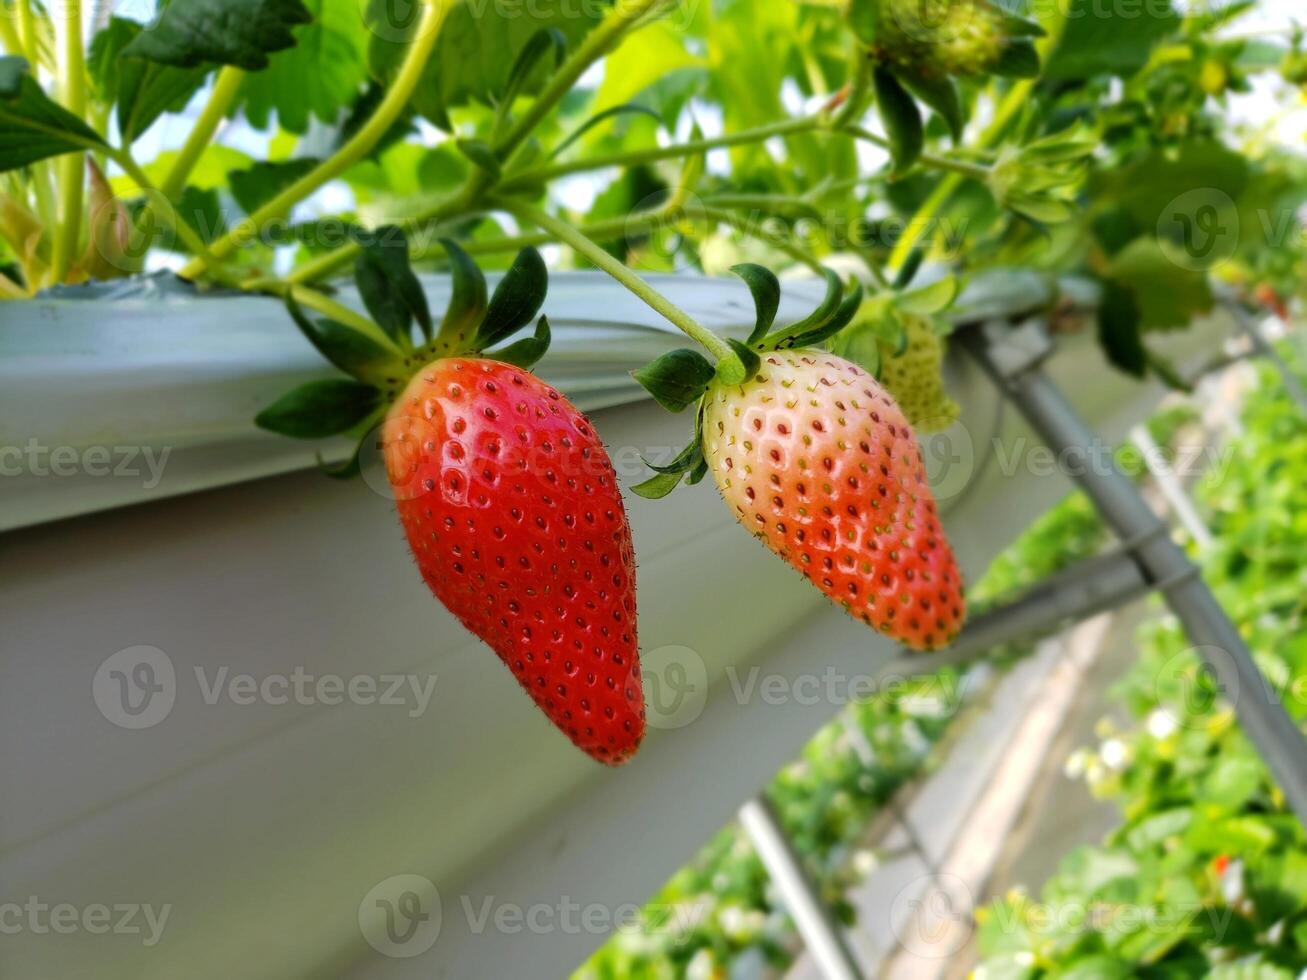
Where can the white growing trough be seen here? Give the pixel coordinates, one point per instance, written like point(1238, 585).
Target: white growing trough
point(261, 828)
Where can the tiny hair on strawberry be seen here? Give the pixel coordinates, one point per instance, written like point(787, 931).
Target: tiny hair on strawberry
point(507, 497)
point(816, 459)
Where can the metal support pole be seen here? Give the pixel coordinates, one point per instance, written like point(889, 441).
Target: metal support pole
point(1168, 482)
point(1265, 349)
point(1013, 358)
point(822, 935)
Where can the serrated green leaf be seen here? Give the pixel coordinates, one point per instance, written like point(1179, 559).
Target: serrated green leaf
point(657, 486)
point(140, 90)
point(476, 51)
point(388, 287)
point(32, 126)
point(355, 353)
point(189, 33)
point(765, 289)
point(901, 119)
point(256, 185)
point(516, 300)
point(320, 408)
point(678, 379)
point(525, 353)
point(317, 78)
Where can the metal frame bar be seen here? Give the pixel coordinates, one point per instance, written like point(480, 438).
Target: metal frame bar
point(1013, 358)
point(822, 935)
point(1264, 348)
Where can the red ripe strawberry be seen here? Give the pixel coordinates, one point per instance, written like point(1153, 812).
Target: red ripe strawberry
point(506, 495)
point(514, 517)
point(818, 461)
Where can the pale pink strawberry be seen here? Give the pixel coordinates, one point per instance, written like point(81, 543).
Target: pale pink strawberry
point(817, 460)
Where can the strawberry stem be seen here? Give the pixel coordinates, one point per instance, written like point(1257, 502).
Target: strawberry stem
point(728, 361)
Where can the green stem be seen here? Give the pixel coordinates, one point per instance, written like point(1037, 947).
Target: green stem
point(359, 145)
point(27, 33)
point(328, 307)
point(9, 35)
point(573, 238)
point(72, 88)
point(785, 127)
point(155, 199)
point(313, 270)
point(225, 88)
point(975, 171)
point(621, 18)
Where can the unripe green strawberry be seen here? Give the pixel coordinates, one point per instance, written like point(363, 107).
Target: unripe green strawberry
point(817, 460)
point(914, 379)
point(514, 517)
point(940, 37)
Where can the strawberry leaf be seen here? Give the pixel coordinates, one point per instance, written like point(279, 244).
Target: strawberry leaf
point(32, 126)
point(527, 351)
point(1018, 60)
point(748, 357)
point(467, 303)
point(657, 486)
point(188, 33)
point(824, 311)
point(142, 90)
point(626, 109)
point(901, 118)
point(480, 153)
point(389, 289)
point(320, 408)
point(940, 94)
point(766, 291)
point(353, 352)
point(517, 298)
point(686, 460)
point(678, 379)
point(540, 44)
point(932, 299)
point(842, 317)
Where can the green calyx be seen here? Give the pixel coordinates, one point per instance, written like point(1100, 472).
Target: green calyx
point(381, 354)
point(681, 378)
